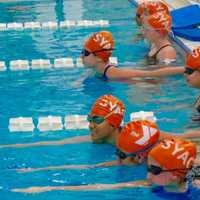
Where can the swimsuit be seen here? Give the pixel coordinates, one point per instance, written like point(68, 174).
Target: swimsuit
point(152, 60)
point(104, 74)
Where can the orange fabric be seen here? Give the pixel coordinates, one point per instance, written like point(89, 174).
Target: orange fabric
point(98, 41)
point(107, 104)
point(174, 154)
point(193, 59)
point(160, 21)
point(151, 7)
point(137, 135)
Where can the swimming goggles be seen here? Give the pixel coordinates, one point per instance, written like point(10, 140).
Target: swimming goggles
point(99, 119)
point(188, 71)
point(95, 119)
point(143, 151)
point(120, 154)
point(155, 170)
point(86, 53)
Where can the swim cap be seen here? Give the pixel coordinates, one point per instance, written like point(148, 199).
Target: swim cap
point(151, 7)
point(174, 154)
point(107, 104)
point(137, 136)
point(193, 59)
point(160, 21)
point(98, 41)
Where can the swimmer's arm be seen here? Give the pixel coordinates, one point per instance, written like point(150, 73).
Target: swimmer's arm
point(93, 187)
point(108, 164)
point(134, 73)
point(60, 167)
point(63, 167)
point(188, 135)
point(72, 140)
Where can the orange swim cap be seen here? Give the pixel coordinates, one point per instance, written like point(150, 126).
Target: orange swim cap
point(174, 154)
point(193, 59)
point(151, 7)
point(160, 21)
point(99, 41)
point(109, 104)
point(137, 136)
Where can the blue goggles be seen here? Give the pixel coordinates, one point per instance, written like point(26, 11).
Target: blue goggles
point(120, 154)
point(95, 119)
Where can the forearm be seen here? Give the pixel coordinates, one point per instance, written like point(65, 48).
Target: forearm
point(72, 140)
point(61, 167)
point(84, 187)
point(108, 164)
point(166, 71)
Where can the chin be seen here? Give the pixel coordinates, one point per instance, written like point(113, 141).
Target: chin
point(96, 140)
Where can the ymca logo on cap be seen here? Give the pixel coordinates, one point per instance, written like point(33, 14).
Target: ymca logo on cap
point(196, 52)
point(102, 41)
point(148, 132)
point(162, 19)
point(112, 106)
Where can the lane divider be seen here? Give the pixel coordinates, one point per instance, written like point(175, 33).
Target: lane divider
point(49, 123)
point(23, 65)
point(69, 122)
point(53, 25)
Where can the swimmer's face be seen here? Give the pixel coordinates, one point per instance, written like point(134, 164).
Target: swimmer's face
point(100, 132)
point(164, 178)
point(88, 58)
point(149, 32)
point(193, 79)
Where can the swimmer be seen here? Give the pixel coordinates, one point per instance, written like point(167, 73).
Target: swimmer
point(137, 138)
point(133, 142)
point(105, 120)
point(146, 8)
point(155, 28)
point(169, 164)
point(192, 68)
point(98, 49)
point(192, 74)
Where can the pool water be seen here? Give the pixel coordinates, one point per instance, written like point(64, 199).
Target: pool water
point(63, 92)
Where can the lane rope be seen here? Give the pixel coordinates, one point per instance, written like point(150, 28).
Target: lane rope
point(69, 122)
point(24, 65)
point(53, 25)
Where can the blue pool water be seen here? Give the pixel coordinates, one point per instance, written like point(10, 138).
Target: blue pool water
point(63, 92)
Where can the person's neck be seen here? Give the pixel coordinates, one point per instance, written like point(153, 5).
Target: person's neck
point(101, 66)
point(113, 136)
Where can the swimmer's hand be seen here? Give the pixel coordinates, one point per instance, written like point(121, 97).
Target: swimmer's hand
point(32, 189)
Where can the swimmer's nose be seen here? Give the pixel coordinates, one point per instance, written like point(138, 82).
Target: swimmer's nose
point(91, 125)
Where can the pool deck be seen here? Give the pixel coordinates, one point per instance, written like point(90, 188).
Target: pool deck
point(182, 44)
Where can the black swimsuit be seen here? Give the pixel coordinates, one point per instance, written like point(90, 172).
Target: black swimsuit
point(107, 67)
point(152, 60)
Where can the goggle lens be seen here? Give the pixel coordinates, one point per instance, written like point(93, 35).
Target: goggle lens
point(188, 71)
point(95, 119)
point(85, 52)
